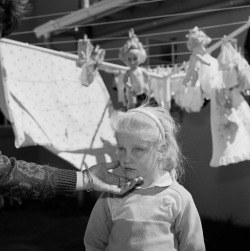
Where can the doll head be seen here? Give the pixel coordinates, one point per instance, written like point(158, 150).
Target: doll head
point(11, 12)
point(196, 38)
point(133, 48)
point(146, 142)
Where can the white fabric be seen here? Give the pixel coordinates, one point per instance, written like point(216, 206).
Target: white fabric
point(48, 105)
point(230, 125)
point(230, 121)
point(160, 89)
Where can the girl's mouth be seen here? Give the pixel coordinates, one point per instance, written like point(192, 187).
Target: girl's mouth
point(127, 169)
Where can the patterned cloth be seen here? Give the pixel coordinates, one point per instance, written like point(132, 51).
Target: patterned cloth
point(43, 97)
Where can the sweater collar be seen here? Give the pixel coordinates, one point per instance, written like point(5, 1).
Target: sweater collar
point(164, 181)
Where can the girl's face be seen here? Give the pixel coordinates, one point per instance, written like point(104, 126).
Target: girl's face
point(132, 58)
point(138, 157)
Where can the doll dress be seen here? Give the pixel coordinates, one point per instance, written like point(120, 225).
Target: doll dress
point(230, 121)
point(227, 60)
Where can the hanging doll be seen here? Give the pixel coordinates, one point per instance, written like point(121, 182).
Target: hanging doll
point(89, 59)
point(136, 78)
point(190, 97)
point(196, 43)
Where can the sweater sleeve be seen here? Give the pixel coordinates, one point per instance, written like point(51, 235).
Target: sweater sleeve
point(99, 225)
point(188, 224)
point(32, 181)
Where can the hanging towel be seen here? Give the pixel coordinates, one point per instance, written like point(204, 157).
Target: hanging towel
point(48, 105)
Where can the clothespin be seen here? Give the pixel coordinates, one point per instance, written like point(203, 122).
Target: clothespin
point(131, 33)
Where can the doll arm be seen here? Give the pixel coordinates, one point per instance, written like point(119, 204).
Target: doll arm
point(145, 76)
point(188, 225)
point(125, 80)
point(99, 226)
point(201, 59)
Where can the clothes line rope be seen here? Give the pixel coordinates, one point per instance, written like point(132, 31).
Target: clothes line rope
point(110, 66)
point(219, 43)
point(92, 6)
point(148, 35)
point(153, 17)
point(139, 19)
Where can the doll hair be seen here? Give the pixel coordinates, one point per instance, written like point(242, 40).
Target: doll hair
point(147, 121)
point(197, 37)
point(11, 13)
point(133, 44)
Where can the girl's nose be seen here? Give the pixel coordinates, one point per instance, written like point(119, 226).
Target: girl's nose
point(127, 159)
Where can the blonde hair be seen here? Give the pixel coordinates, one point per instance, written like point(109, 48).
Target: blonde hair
point(197, 37)
point(138, 121)
point(133, 43)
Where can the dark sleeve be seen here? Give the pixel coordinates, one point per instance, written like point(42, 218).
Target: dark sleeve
point(32, 181)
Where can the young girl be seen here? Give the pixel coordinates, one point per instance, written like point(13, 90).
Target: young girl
point(136, 78)
point(158, 215)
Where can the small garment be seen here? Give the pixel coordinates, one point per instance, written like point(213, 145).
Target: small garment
point(189, 98)
point(89, 59)
point(210, 76)
point(230, 120)
point(48, 106)
point(160, 91)
point(227, 60)
point(230, 125)
point(235, 68)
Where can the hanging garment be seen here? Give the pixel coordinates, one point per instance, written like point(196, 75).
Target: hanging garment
point(160, 91)
point(189, 98)
point(48, 106)
point(230, 125)
point(230, 119)
point(227, 59)
point(89, 59)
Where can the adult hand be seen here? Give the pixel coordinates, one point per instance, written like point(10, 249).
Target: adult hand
point(105, 181)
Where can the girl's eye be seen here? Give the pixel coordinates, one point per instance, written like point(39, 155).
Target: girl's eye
point(138, 150)
point(121, 149)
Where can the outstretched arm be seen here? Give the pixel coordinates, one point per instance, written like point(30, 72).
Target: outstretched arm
point(29, 180)
point(32, 181)
point(202, 59)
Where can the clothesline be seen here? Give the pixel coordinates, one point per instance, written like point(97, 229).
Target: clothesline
point(92, 6)
point(110, 66)
point(210, 49)
point(150, 35)
point(219, 43)
point(140, 19)
point(62, 27)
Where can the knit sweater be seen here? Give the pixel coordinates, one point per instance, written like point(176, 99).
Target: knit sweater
point(29, 180)
point(154, 219)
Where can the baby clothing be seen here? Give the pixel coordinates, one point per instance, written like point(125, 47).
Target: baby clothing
point(230, 113)
point(230, 125)
point(160, 217)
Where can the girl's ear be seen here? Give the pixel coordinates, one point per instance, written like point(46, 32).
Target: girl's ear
point(162, 150)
